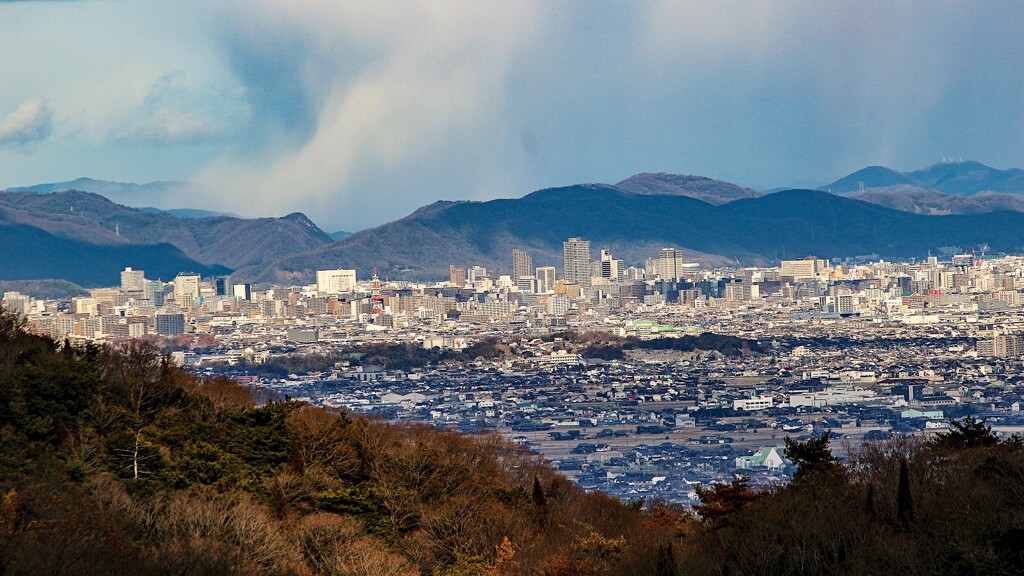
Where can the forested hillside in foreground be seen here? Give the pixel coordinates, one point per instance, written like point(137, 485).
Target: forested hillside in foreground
point(113, 461)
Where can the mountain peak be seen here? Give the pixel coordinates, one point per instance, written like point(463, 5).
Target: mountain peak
point(961, 178)
point(700, 187)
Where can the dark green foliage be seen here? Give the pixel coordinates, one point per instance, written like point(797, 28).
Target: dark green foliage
point(205, 464)
point(930, 511)
point(811, 457)
point(666, 561)
point(388, 356)
point(539, 501)
point(904, 500)
point(720, 501)
point(258, 436)
point(730, 346)
point(967, 433)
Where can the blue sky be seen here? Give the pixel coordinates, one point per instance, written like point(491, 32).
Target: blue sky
point(358, 114)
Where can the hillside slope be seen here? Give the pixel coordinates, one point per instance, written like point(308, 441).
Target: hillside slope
point(706, 189)
point(958, 178)
point(922, 201)
point(786, 224)
point(221, 240)
point(114, 461)
point(30, 253)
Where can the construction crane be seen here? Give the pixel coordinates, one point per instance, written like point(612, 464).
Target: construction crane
point(984, 248)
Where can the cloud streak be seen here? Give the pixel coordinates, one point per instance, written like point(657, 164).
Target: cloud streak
point(176, 113)
point(371, 99)
point(30, 122)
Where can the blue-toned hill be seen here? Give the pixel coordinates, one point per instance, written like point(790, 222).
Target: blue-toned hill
point(791, 223)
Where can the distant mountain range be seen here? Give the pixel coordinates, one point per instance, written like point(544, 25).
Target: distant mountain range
point(789, 224)
point(87, 223)
point(898, 214)
point(30, 253)
point(126, 193)
point(944, 188)
point(956, 178)
point(187, 212)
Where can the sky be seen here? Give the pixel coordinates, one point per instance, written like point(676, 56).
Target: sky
point(357, 113)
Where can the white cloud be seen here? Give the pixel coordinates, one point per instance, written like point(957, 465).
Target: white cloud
point(384, 93)
point(176, 112)
point(30, 122)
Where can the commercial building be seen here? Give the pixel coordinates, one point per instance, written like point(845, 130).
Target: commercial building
point(170, 324)
point(670, 263)
point(335, 281)
point(522, 264)
point(576, 261)
point(133, 280)
point(222, 285)
point(545, 279)
point(808, 268)
point(456, 276)
point(243, 291)
point(186, 289)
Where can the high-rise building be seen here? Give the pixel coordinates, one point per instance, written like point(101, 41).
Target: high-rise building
point(610, 268)
point(476, 273)
point(170, 324)
point(522, 264)
point(456, 276)
point(222, 285)
point(243, 291)
point(133, 280)
point(153, 291)
point(17, 303)
point(186, 289)
point(526, 284)
point(545, 279)
point(335, 281)
point(576, 261)
point(670, 263)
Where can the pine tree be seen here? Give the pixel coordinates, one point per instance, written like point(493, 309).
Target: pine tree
point(811, 457)
point(904, 501)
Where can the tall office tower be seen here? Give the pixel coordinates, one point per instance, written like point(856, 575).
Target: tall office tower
point(222, 284)
point(154, 291)
point(456, 276)
point(545, 279)
point(610, 268)
point(576, 261)
point(133, 280)
point(186, 289)
point(476, 273)
point(335, 281)
point(670, 263)
point(522, 264)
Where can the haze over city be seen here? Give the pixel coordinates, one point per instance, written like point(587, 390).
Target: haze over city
point(357, 114)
